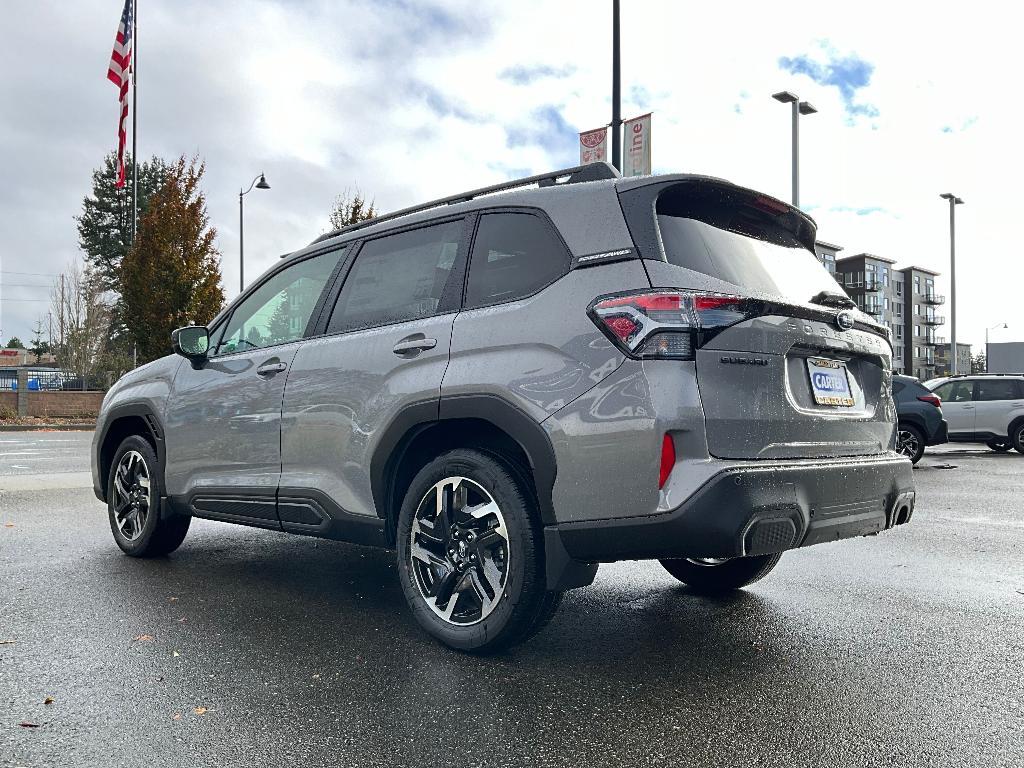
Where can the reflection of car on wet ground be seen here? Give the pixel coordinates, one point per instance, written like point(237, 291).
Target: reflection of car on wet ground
point(920, 417)
point(512, 385)
point(984, 408)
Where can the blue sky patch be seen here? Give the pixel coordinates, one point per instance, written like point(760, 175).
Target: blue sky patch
point(848, 74)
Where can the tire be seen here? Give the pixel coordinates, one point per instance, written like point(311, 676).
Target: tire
point(476, 581)
point(134, 489)
point(1017, 436)
point(710, 576)
point(1000, 446)
point(910, 442)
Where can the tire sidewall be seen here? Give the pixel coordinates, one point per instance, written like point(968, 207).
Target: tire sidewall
point(499, 482)
point(139, 545)
point(1018, 438)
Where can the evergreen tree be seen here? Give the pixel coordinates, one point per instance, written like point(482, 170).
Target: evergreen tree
point(170, 277)
point(15, 343)
point(39, 347)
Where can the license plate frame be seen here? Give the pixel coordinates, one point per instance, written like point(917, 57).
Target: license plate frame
point(830, 382)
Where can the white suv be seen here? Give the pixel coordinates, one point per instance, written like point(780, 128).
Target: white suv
point(984, 408)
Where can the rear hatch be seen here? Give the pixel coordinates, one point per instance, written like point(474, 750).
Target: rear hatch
point(787, 367)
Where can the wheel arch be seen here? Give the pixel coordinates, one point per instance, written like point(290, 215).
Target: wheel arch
point(124, 421)
point(488, 422)
point(1014, 425)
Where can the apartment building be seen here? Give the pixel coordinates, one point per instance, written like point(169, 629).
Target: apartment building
point(963, 359)
point(904, 299)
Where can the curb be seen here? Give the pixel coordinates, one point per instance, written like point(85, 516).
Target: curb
point(88, 426)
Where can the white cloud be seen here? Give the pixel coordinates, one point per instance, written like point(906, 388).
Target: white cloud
point(408, 101)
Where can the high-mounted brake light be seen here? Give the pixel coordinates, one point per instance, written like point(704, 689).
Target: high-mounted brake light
point(666, 324)
point(933, 399)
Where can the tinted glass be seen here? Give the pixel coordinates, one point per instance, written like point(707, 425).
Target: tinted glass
point(956, 392)
point(997, 390)
point(278, 311)
point(514, 255)
point(397, 277)
point(725, 236)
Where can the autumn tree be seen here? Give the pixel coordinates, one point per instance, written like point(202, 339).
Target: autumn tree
point(351, 208)
point(170, 277)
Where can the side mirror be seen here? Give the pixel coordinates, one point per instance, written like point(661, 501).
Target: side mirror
point(192, 342)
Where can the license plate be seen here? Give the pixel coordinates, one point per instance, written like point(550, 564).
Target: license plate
point(830, 382)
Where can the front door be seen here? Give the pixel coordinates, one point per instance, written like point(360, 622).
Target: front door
point(958, 408)
point(223, 420)
point(383, 350)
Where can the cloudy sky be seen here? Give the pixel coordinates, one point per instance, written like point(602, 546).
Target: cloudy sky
point(415, 100)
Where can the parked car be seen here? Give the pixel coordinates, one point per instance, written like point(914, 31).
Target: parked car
point(984, 408)
point(512, 385)
point(919, 414)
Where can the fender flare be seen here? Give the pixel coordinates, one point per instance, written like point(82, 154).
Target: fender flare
point(500, 413)
point(115, 414)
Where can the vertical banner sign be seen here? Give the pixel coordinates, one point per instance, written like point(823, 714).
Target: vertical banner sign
point(636, 146)
point(594, 146)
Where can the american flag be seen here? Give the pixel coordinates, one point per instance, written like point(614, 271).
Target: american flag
point(119, 75)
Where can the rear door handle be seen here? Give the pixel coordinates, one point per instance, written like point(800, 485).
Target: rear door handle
point(413, 344)
point(968, 407)
point(269, 369)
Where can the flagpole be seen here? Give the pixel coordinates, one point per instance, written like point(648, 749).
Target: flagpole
point(135, 117)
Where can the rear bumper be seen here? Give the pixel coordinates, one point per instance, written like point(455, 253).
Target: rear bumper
point(940, 435)
point(758, 508)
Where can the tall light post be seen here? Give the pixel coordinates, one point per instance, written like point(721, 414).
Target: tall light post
point(798, 108)
point(260, 182)
point(616, 91)
point(997, 325)
point(954, 201)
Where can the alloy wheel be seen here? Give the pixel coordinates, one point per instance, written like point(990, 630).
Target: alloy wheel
point(907, 443)
point(459, 551)
point(131, 497)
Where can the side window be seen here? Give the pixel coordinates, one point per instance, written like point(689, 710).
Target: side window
point(955, 392)
point(277, 312)
point(514, 255)
point(996, 390)
point(397, 277)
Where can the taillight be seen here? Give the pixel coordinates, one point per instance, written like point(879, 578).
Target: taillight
point(666, 324)
point(933, 399)
point(668, 460)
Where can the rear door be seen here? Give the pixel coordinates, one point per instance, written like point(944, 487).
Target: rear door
point(994, 400)
point(791, 370)
point(958, 407)
point(383, 348)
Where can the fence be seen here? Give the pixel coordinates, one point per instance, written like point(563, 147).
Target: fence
point(52, 380)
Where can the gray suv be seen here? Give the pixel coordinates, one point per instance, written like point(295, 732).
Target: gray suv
point(512, 385)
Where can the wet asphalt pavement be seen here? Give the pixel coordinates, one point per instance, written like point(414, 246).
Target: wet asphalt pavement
point(249, 647)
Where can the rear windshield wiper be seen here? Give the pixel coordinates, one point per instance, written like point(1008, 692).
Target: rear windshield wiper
point(833, 299)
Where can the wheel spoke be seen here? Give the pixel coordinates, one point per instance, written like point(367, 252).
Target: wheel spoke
point(445, 588)
point(424, 555)
point(486, 599)
point(144, 482)
point(490, 538)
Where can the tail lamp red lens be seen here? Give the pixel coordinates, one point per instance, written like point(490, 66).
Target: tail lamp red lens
point(933, 399)
point(666, 324)
point(668, 460)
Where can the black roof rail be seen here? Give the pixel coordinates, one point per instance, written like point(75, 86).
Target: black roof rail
point(581, 173)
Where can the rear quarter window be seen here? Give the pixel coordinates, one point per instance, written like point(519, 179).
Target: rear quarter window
point(514, 256)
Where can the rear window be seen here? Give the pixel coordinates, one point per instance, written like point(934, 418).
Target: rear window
point(746, 240)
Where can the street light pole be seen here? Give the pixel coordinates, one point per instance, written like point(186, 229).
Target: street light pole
point(798, 108)
point(953, 202)
point(997, 325)
point(616, 91)
point(262, 184)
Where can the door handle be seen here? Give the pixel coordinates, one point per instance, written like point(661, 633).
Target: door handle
point(413, 345)
point(269, 369)
point(968, 407)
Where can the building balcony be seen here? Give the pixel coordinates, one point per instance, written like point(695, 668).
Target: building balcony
point(874, 309)
point(934, 320)
point(869, 285)
point(935, 341)
point(934, 299)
